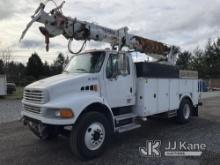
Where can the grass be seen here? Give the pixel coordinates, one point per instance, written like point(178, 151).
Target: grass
point(18, 94)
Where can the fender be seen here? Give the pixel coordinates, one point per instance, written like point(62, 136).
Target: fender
point(186, 95)
point(195, 106)
point(78, 102)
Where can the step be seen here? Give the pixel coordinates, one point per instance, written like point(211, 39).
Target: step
point(172, 114)
point(128, 127)
point(125, 116)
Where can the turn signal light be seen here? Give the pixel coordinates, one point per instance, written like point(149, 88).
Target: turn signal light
point(65, 113)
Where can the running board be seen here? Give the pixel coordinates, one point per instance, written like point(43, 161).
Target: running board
point(124, 117)
point(171, 114)
point(127, 127)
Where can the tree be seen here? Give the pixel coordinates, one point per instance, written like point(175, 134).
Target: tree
point(46, 69)
point(1, 67)
point(184, 60)
point(212, 56)
point(60, 60)
point(58, 64)
point(207, 62)
point(67, 60)
point(34, 66)
point(5, 56)
point(198, 63)
point(15, 72)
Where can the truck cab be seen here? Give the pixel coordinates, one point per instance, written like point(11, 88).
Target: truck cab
point(91, 77)
point(99, 93)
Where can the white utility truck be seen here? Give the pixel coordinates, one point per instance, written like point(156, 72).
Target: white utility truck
point(3, 85)
point(102, 92)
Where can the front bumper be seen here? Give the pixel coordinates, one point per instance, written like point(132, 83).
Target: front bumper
point(46, 115)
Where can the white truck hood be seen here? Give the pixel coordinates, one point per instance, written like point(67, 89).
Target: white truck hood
point(54, 80)
point(65, 83)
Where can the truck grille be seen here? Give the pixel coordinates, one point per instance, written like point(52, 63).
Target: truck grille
point(35, 96)
point(32, 109)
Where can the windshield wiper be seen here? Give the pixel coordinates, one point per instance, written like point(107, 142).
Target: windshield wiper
point(65, 71)
point(83, 70)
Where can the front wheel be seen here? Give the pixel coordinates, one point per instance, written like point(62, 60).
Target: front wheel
point(184, 112)
point(90, 136)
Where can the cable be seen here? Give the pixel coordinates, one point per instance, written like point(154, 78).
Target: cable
point(58, 8)
point(80, 50)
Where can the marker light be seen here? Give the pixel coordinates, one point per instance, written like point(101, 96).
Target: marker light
point(65, 113)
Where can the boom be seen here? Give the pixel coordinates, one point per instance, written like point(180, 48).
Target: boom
point(55, 23)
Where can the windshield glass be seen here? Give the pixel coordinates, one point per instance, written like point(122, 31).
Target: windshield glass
point(86, 63)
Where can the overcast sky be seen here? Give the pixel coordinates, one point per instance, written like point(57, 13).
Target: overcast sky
point(184, 23)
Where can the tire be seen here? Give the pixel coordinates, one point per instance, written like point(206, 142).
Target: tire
point(90, 136)
point(184, 112)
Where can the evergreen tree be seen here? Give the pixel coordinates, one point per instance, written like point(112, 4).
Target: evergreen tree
point(34, 66)
point(184, 60)
point(46, 69)
point(1, 67)
point(58, 64)
point(198, 63)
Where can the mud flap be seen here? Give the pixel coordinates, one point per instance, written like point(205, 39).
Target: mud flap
point(195, 111)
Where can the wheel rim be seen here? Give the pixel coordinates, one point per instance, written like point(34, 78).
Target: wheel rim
point(94, 136)
point(186, 111)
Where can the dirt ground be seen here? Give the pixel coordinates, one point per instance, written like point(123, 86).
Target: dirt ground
point(18, 146)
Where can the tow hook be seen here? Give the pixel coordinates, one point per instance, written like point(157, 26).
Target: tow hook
point(38, 129)
point(24, 121)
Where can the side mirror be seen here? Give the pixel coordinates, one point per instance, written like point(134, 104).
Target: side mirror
point(113, 72)
point(123, 64)
point(64, 66)
point(112, 68)
point(118, 65)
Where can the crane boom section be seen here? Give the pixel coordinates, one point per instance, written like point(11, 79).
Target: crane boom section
point(55, 23)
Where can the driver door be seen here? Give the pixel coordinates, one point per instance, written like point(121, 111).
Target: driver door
point(119, 83)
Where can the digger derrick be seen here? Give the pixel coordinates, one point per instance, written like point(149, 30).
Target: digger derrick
point(55, 23)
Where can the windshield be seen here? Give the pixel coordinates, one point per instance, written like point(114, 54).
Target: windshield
point(86, 63)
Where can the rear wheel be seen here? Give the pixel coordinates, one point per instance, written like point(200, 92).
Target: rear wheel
point(184, 112)
point(90, 136)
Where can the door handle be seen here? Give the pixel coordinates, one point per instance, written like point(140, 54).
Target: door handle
point(131, 90)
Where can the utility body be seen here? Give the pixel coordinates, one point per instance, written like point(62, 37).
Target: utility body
point(102, 92)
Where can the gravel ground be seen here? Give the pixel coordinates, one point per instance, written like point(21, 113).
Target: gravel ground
point(19, 147)
point(10, 110)
point(206, 95)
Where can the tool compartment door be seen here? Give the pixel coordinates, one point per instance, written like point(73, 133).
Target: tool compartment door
point(151, 96)
point(146, 97)
point(174, 94)
point(163, 95)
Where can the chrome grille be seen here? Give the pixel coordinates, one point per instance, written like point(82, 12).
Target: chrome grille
point(35, 96)
point(32, 109)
